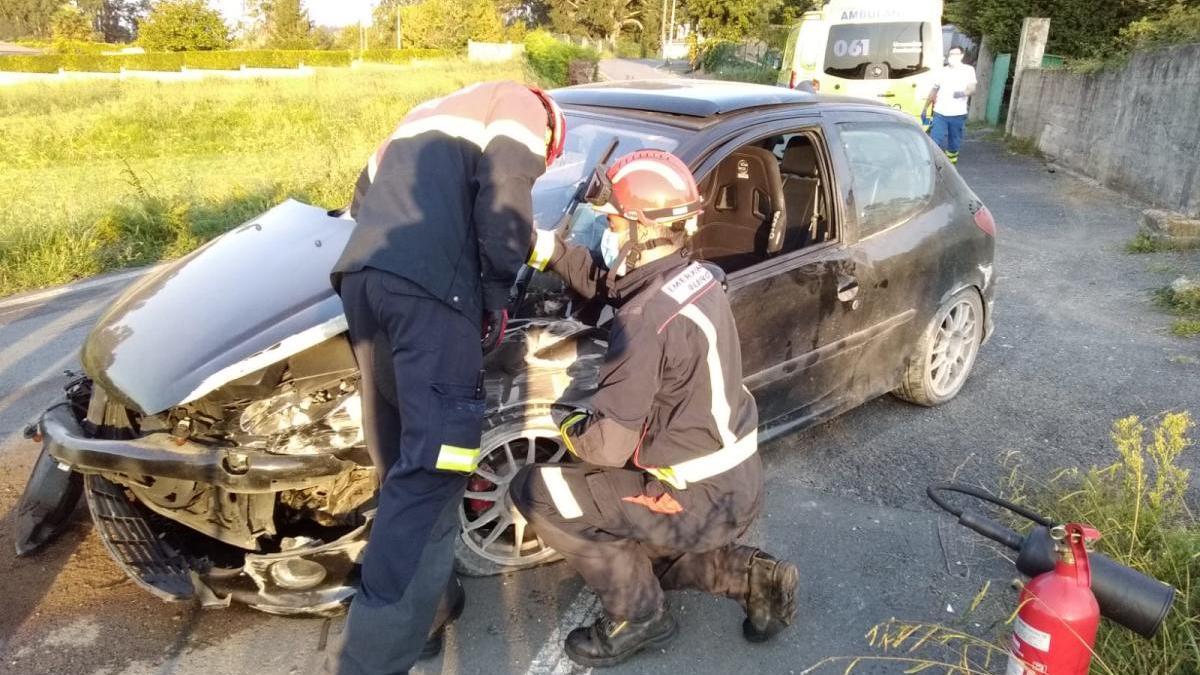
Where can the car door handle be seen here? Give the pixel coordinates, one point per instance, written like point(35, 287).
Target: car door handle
point(847, 288)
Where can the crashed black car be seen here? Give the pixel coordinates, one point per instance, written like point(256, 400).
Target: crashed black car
point(215, 431)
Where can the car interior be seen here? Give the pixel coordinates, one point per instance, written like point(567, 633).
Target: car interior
point(764, 200)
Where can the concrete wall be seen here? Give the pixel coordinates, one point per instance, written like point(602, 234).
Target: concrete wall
point(494, 51)
point(1135, 129)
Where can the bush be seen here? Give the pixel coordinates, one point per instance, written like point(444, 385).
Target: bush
point(183, 25)
point(1139, 504)
point(326, 58)
point(1180, 24)
point(398, 56)
point(746, 73)
point(629, 49)
point(69, 25)
point(716, 53)
point(45, 63)
point(174, 61)
point(550, 59)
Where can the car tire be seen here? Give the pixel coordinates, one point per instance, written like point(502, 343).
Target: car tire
point(505, 446)
point(946, 353)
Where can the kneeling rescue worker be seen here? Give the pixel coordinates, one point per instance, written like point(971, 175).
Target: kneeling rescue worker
point(670, 476)
point(443, 215)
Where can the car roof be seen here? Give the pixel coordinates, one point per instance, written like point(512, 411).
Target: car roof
point(693, 98)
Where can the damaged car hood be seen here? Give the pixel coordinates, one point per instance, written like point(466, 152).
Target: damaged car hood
point(249, 298)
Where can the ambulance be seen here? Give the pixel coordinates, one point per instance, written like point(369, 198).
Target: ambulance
point(878, 49)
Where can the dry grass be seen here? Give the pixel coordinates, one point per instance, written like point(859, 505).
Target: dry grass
point(103, 175)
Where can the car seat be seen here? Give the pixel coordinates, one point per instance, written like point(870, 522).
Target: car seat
point(743, 220)
point(801, 193)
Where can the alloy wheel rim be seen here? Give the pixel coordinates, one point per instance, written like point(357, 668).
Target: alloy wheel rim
point(954, 348)
point(498, 532)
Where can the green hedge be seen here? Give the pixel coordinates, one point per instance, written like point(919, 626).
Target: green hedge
point(174, 61)
point(30, 64)
point(549, 58)
point(402, 55)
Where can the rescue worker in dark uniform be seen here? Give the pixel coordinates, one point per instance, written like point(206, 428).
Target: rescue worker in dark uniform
point(443, 215)
point(669, 475)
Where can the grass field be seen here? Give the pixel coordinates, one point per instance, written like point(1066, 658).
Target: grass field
point(103, 175)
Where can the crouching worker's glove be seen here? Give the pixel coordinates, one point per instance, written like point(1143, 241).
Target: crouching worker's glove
point(495, 322)
point(566, 421)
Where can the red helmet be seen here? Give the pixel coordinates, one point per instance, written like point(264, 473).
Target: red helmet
point(556, 123)
point(652, 187)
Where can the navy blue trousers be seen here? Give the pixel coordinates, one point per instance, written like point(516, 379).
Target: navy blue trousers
point(421, 390)
point(947, 132)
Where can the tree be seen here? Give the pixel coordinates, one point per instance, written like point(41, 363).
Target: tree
point(731, 19)
point(288, 25)
point(436, 24)
point(117, 20)
point(604, 19)
point(27, 18)
point(183, 25)
point(449, 24)
point(70, 24)
point(1078, 28)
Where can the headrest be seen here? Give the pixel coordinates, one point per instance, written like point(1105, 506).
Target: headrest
point(800, 158)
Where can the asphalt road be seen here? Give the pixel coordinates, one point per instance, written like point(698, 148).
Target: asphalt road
point(1077, 345)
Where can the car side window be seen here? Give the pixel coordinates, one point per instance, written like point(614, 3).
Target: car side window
point(765, 199)
point(892, 172)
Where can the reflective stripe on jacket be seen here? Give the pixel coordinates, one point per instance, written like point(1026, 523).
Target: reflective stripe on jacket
point(670, 397)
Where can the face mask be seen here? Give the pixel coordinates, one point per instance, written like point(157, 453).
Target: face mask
point(610, 247)
point(954, 59)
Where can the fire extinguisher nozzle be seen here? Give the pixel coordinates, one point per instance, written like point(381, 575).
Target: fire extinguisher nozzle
point(991, 529)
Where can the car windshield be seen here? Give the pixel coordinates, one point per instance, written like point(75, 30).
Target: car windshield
point(855, 50)
point(587, 139)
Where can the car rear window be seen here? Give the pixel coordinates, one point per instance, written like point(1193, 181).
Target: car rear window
point(892, 169)
point(859, 51)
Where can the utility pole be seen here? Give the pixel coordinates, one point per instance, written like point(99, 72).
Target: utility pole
point(672, 36)
point(397, 28)
point(662, 24)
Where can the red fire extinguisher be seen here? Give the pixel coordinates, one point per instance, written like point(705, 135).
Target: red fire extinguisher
point(1056, 626)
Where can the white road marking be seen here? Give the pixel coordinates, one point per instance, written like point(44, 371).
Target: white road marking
point(551, 659)
point(51, 293)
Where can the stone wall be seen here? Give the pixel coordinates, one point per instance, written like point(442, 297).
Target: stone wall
point(1135, 129)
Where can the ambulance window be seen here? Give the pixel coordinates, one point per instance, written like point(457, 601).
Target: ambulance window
point(877, 51)
point(893, 177)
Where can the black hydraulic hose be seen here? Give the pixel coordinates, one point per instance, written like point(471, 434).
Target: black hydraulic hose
point(984, 495)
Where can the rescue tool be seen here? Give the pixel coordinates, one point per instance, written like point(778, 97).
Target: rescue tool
point(594, 189)
point(1055, 556)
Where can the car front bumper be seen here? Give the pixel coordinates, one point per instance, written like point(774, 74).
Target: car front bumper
point(308, 577)
point(232, 468)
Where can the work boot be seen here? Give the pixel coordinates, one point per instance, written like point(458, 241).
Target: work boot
point(610, 641)
point(450, 608)
point(770, 598)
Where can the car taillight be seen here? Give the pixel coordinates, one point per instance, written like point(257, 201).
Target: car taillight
point(792, 79)
point(816, 85)
point(983, 218)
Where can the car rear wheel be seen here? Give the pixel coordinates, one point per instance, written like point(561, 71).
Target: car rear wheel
point(495, 537)
point(946, 354)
